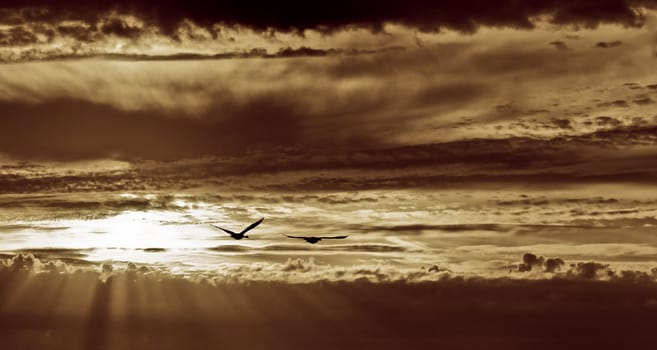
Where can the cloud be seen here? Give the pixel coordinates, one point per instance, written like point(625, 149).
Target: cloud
point(606, 121)
point(120, 27)
point(450, 228)
point(542, 201)
point(100, 204)
point(332, 122)
point(194, 114)
point(17, 36)
point(559, 45)
point(562, 123)
point(553, 264)
point(614, 103)
point(327, 16)
point(531, 262)
point(437, 312)
point(283, 52)
point(37, 30)
point(608, 44)
point(643, 100)
point(51, 254)
point(31, 264)
point(197, 104)
point(303, 247)
point(19, 227)
point(154, 250)
point(531, 162)
point(45, 213)
point(86, 130)
point(591, 270)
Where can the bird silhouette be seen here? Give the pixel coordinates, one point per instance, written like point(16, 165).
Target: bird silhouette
point(242, 234)
point(315, 239)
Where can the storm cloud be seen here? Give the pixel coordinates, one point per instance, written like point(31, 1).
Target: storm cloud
point(300, 15)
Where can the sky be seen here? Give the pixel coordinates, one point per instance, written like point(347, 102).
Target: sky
point(462, 146)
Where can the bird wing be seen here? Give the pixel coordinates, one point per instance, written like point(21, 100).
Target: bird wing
point(299, 237)
point(223, 229)
point(333, 237)
point(252, 226)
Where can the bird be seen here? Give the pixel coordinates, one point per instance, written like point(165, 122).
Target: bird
point(242, 234)
point(315, 239)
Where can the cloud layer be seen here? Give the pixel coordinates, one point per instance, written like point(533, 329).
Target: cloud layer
point(299, 15)
point(114, 307)
point(36, 30)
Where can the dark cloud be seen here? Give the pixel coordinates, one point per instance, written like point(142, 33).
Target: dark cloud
point(304, 247)
point(154, 250)
point(523, 202)
point(289, 15)
point(20, 227)
point(231, 248)
point(458, 93)
point(370, 248)
point(591, 270)
point(560, 45)
point(606, 121)
point(83, 34)
point(17, 36)
point(95, 203)
point(608, 44)
point(643, 100)
point(579, 312)
point(528, 161)
point(77, 31)
point(51, 254)
point(553, 264)
point(615, 212)
point(330, 199)
point(562, 123)
point(119, 27)
point(233, 121)
point(531, 262)
point(68, 129)
point(537, 202)
point(614, 103)
point(451, 228)
point(120, 181)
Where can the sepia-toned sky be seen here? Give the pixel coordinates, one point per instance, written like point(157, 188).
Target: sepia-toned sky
point(495, 140)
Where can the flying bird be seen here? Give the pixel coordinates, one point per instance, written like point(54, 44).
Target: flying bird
point(315, 239)
point(242, 234)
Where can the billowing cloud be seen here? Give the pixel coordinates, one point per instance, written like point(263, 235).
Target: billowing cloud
point(36, 30)
point(120, 298)
point(531, 262)
point(297, 15)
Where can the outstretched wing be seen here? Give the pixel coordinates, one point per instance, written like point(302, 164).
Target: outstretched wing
point(223, 229)
point(299, 237)
point(252, 226)
point(333, 237)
